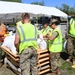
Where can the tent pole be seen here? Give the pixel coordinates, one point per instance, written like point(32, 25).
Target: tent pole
point(67, 24)
point(6, 17)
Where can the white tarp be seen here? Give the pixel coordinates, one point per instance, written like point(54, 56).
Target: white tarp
point(13, 7)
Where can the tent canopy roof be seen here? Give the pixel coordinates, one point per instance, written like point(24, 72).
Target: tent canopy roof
point(34, 10)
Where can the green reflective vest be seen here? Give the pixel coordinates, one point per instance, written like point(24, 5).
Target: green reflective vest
point(28, 36)
point(72, 28)
point(19, 23)
point(45, 31)
point(56, 44)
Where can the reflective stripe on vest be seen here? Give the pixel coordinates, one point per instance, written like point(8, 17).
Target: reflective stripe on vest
point(24, 37)
point(72, 22)
point(46, 29)
point(72, 28)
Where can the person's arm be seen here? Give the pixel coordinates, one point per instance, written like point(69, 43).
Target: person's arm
point(50, 37)
point(48, 33)
point(17, 39)
point(17, 42)
point(54, 35)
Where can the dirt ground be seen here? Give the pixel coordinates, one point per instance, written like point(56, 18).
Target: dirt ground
point(66, 70)
point(5, 71)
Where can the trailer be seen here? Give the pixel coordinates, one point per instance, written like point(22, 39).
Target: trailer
point(13, 60)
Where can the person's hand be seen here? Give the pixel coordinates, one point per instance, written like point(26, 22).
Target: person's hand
point(38, 35)
point(44, 36)
point(48, 33)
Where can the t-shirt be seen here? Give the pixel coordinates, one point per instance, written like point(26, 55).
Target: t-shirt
point(55, 34)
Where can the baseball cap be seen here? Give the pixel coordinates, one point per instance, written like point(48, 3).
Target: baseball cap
point(53, 21)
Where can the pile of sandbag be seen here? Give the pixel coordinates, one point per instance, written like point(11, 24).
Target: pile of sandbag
point(9, 42)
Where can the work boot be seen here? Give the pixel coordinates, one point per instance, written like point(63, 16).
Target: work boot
point(67, 60)
point(73, 66)
point(74, 62)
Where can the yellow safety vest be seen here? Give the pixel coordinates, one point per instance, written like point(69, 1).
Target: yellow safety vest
point(28, 36)
point(56, 44)
point(19, 23)
point(72, 28)
point(45, 31)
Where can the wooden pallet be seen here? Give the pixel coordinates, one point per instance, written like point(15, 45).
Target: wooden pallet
point(43, 59)
point(9, 52)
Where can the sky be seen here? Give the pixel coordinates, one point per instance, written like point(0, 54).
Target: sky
point(52, 3)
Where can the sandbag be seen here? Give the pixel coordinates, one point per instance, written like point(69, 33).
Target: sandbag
point(42, 43)
point(9, 42)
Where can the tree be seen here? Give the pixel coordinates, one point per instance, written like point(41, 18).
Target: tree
point(38, 3)
point(67, 9)
point(12, 0)
point(72, 11)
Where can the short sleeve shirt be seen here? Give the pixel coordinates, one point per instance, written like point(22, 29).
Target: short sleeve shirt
point(55, 34)
point(17, 32)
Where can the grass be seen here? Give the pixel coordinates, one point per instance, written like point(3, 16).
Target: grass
point(66, 66)
point(67, 69)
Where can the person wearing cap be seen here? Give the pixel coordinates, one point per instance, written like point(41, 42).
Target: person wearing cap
point(26, 40)
point(71, 41)
point(55, 46)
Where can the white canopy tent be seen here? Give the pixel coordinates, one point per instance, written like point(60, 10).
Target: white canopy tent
point(10, 10)
point(16, 9)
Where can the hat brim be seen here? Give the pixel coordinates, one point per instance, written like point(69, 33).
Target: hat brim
point(50, 24)
point(53, 23)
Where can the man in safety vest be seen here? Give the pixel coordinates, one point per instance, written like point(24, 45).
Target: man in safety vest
point(55, 46)
point(26, 39)
point(2, 36)
point(71, 40)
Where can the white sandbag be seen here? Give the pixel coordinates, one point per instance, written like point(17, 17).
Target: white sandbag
point(9, 42)
point(42, 43)
point(40, 38)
